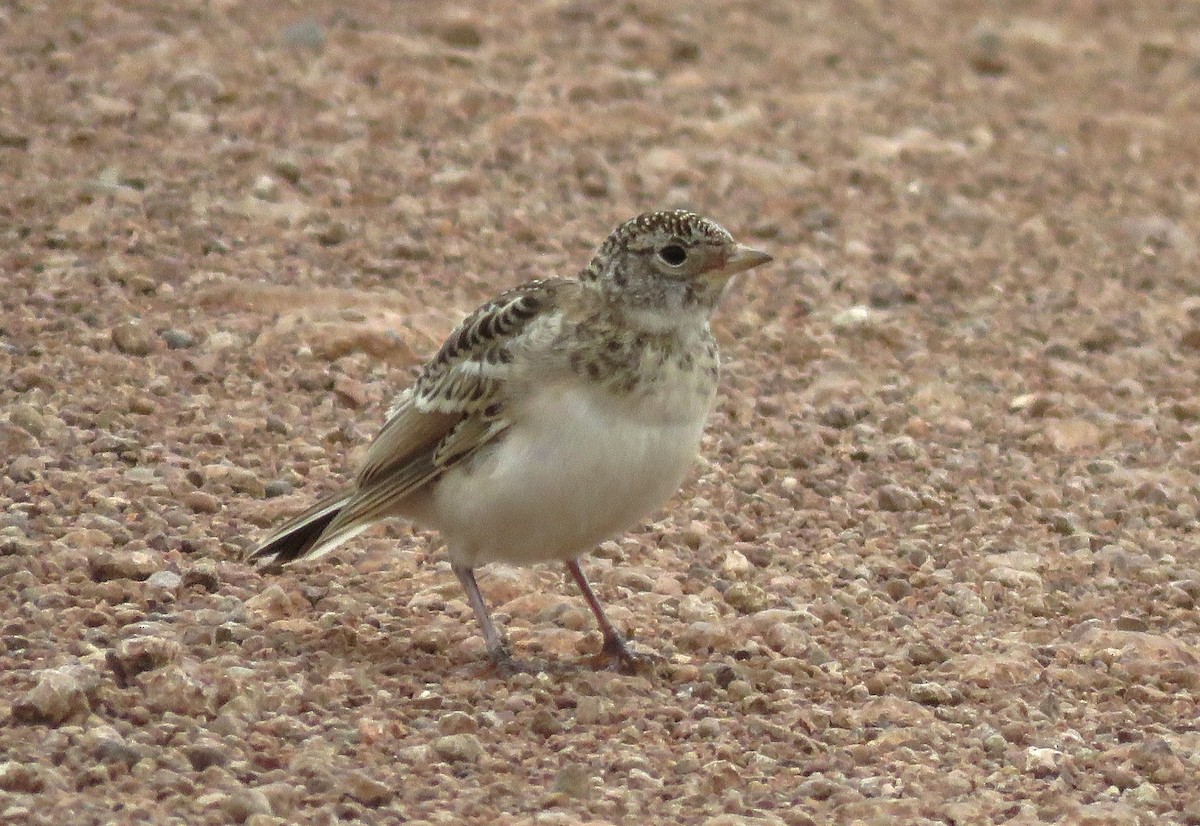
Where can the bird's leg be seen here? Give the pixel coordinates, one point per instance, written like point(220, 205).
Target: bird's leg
point(497, 650)
point(615, 647)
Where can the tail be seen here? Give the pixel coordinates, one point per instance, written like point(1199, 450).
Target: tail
point(305, 534)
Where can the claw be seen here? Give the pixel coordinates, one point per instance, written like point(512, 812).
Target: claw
point(505, 665)
point(618, 656)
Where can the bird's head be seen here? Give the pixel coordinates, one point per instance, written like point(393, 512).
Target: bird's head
point(671, 262)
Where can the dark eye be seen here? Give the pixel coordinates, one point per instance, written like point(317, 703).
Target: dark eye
point(673, 254)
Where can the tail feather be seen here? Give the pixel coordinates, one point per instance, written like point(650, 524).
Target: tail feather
point(304, 535)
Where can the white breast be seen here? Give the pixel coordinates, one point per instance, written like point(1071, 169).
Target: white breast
point(577, 466)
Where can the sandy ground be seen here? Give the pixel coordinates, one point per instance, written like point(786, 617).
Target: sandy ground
point(938, 563)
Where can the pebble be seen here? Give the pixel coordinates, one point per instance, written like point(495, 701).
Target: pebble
point(367, 790)
point(462, 35)
point(24, 778)
point(747, 598)
point(202, 574)
point(243, 804)
point(200, 501)
point(838, 416)
point(986, 51)
point(132, 338)
point(306, 34)
point(28, 418)
point(933, 694)
point(287, 166)
point(58, 696)
point(25, 469)
point(458, 748)
point(896, 498)
point(207, 753)
point(164, 581)
point(136, 565)
point(274, 603)
point(178, 339)
point(138, 654)
point(457, 722)
point(277, 487)
point(573, 780)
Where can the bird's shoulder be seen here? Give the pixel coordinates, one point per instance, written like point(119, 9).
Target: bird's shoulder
point(466, 373)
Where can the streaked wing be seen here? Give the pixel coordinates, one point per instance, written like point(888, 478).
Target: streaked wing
point(457, 402)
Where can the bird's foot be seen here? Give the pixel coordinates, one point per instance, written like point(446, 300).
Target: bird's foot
point(618, 656)
point(505, 665)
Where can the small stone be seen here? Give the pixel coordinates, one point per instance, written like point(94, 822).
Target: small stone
point(588, 710)
point(202, 574)
point(137, 565)
point(265, 188)
point(242, 804)
point(172, 688)
point(367, 790)
point(746, 598)
point(739, 690)
point(458, 748)
point(896, 499)
point(457, 722)
point(545, 723)
point(138, 654)
point(898, 588)
point(143, 406)
point(24, 469)
point(274, 603)
point(817, 788)
point(28, 418)
point(178, 339)
point(221, 341)
point(164, 581)
point(735, 565)
point(933, 694)
point(1102, 338)
point(1042, 762)
point(277, 487)
point(10, 138)
point(58, 696)
point(200, 501)
point(132, 338)
point(462, 34)
point(853, 318)
point(332, 233)
point(192, 123)
point(919, 653)
point(985, 51)
point(287, 166)
point(24, 778)
point(205, 754)
point(838, 416)
point(995, 744)
point(573, 780)
point(696, 534)
point(307, 34)
point(1190, 338)
point(694, 608)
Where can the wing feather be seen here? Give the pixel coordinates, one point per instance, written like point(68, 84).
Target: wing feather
point(465, 379)
point(455, 407)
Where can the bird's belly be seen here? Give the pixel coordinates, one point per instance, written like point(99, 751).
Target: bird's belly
point(572, 471)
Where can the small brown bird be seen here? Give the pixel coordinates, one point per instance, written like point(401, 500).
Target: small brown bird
point(556, 415)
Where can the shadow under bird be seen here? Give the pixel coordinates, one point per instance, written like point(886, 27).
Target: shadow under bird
point(557, 415)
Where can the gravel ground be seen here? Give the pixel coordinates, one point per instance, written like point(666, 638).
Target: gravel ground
point(938, 563)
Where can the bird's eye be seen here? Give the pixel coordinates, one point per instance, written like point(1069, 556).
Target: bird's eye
point(673, 254)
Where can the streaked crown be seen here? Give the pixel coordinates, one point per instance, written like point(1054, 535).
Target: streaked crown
point(669, 259)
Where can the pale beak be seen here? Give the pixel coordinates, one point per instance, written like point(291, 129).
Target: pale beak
point(741, 259)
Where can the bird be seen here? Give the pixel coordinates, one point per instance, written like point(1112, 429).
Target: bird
point(555, 416)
